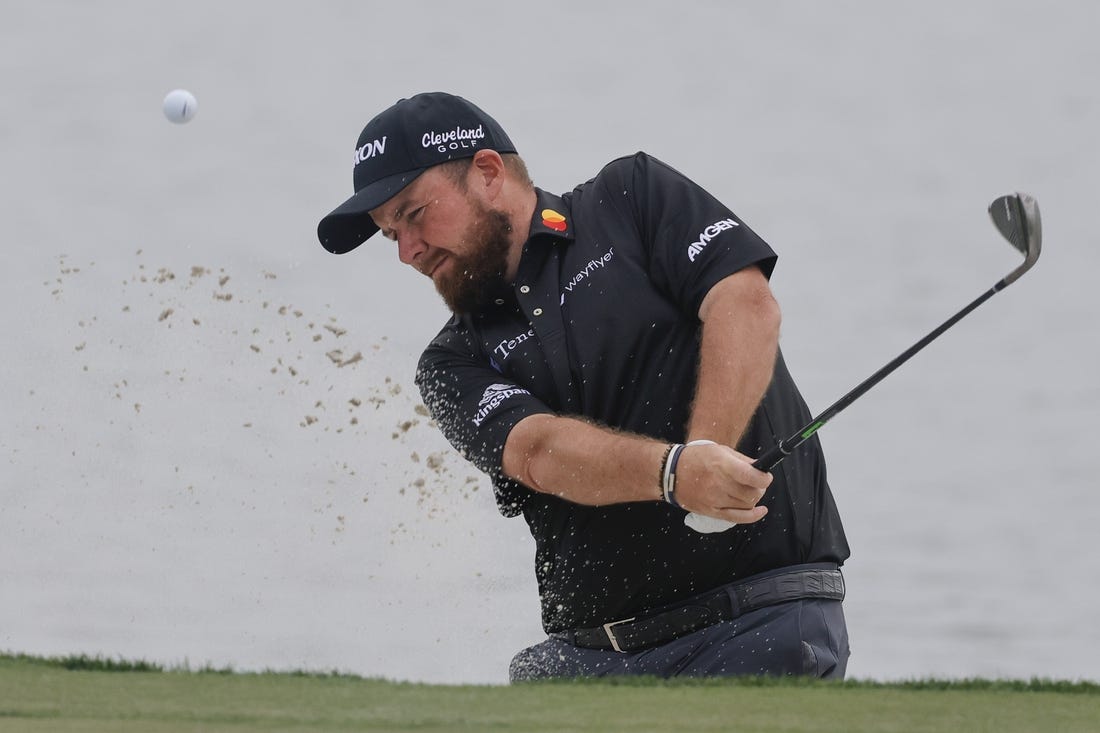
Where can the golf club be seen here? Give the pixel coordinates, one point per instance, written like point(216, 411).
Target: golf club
point(1016, 217)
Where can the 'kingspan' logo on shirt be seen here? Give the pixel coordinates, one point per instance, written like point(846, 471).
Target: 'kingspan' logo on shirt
point(494, 395)
point(696, 248)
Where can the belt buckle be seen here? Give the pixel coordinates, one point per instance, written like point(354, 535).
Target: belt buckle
point(611, 636)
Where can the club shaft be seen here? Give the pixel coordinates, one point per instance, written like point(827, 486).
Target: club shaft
point(784, 448)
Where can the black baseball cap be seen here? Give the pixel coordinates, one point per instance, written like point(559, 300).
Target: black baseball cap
point(397, 146)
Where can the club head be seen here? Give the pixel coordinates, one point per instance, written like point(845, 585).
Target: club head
point(1016, 217)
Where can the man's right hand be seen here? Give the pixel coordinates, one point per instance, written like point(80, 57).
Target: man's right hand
point(717, 481)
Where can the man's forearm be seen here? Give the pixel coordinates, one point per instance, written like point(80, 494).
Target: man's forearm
point(582, 462)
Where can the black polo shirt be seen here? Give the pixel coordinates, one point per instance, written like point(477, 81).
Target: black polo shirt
point(603, 322)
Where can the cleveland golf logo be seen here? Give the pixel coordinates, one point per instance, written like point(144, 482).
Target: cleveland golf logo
point(494, 395)
point(456, 139)
point(712, 231)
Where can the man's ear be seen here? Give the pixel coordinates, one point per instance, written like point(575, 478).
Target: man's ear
point(487, 173)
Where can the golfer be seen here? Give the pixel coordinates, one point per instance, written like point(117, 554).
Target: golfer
point(612, 364)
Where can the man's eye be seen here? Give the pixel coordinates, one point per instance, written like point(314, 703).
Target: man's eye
point(415, 213)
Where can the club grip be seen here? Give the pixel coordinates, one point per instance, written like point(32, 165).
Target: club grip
point(771, 458)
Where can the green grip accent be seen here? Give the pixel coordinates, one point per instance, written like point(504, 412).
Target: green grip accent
point(812, 429)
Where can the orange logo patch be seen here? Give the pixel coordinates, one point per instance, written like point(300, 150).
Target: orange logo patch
point(553, 220)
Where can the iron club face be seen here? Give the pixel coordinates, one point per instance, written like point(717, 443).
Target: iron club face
point(1016, 217)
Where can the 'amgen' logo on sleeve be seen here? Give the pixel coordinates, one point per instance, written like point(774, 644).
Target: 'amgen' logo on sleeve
point(712, 231)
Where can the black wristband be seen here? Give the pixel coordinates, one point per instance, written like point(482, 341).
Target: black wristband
point(664, 467)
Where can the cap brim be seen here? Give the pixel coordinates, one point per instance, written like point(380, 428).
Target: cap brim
point(350, 224)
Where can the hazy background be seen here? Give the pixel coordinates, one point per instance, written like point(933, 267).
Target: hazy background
point(212, 450)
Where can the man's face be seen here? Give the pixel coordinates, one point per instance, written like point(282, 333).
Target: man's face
point(451, 236)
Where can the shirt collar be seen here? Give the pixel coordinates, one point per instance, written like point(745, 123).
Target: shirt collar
point(552, 216)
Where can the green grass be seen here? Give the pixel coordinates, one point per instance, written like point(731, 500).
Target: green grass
point(98, 695)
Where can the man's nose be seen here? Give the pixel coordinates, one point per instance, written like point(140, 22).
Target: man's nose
point(409, 247)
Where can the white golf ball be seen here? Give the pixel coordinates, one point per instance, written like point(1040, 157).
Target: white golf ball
point(180, 106)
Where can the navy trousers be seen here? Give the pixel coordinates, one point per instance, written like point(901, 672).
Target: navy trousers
point(806, 637)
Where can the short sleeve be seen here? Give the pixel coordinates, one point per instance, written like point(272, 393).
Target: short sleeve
point(693, 240)
point(475, 407)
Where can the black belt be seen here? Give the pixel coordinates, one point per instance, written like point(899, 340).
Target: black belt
point(819, 580)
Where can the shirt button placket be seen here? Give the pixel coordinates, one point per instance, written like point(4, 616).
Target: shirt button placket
point(526, 290)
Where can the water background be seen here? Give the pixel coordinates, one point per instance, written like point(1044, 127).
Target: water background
point(189, 475)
